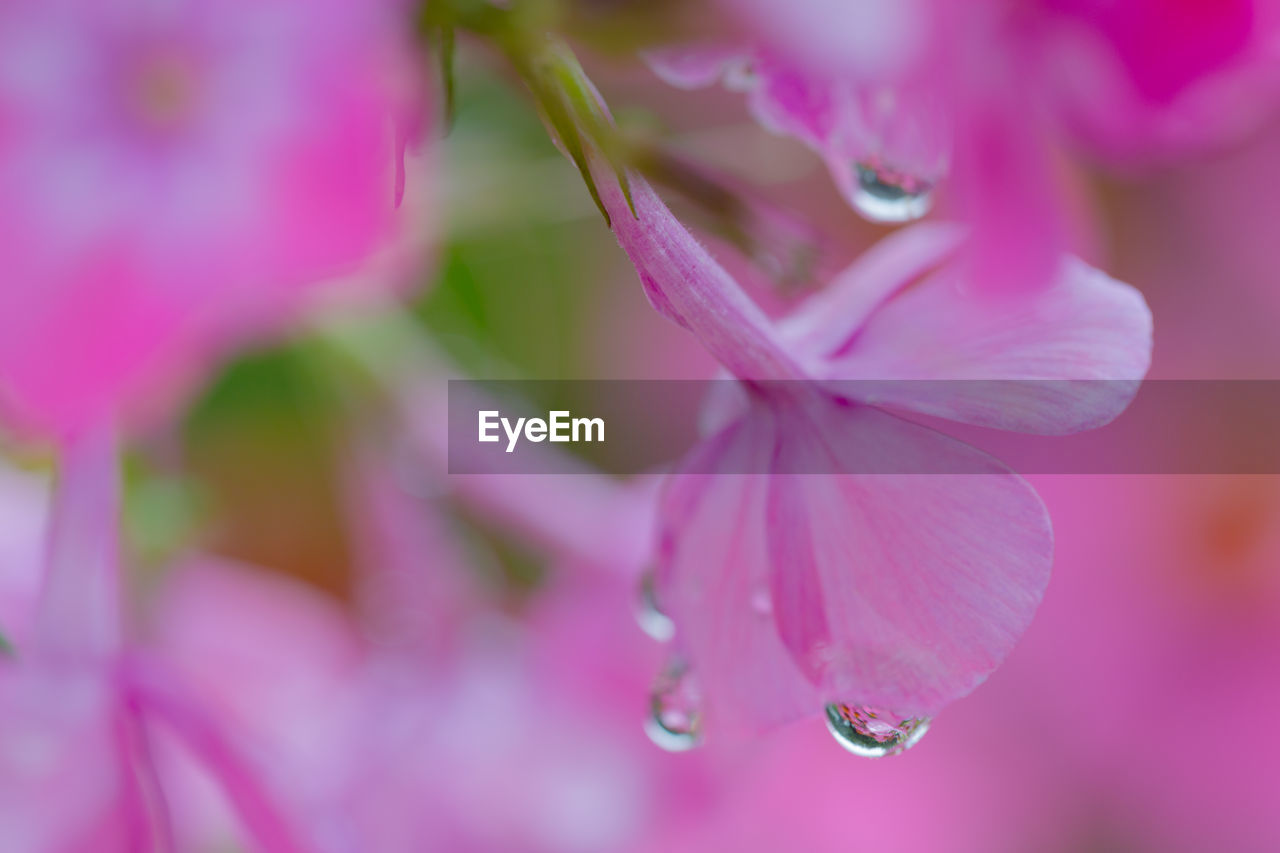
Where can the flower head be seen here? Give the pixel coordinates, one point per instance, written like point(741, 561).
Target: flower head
point(817, 548)
point(175, 178)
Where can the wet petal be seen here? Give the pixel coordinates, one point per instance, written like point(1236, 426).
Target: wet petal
point(694, 66)
point(902, 591)
point(912, 588)
point(714, 565)
point(827, 321)
point(1085, 326)
point(685, 284)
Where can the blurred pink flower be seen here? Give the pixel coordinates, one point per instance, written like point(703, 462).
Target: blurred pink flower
point(525, 738)
point(77, 707)
point(837, 577)
point(177, 178)
point(978, 91)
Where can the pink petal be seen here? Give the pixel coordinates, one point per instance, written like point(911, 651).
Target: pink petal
point(685, 284)
point(714, 571)
point(827, 321)
point(787, 100)
point(78, 613)
point(24, 511)
point(916, 586)
point(67, 771)
point(851, 37)
point(1008, 195)
point(893, 590)
point(694, 66)
point(272, 827)
point(1085, 326)
point(416, 589)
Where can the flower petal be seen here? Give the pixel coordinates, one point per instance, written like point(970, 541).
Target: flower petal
point(78, 614)
point(827, 321)
point(713, 572)
point(694, 66)
point(897, 590)
point(1085, 326)
point(914, 586)
point(685, 284)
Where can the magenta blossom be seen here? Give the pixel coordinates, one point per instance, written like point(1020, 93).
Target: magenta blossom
point(977, 92)
point(796, 581)
point(78, 707)
point(176, 177)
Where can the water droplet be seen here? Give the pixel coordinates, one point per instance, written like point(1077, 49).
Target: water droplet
point(885, 196)
point(649, 615)
point(873, 733)
point(675, 708)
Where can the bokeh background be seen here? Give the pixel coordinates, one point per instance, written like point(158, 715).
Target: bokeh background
point(1138, 713)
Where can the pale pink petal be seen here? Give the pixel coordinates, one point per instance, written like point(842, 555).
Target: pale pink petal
point(685, 284)
point(694, 66)
point(78, 614)
point(1007, 194)
point(416, 588)
point(713, 580)
point(788, 101)
point(246, 638)
point(67, 768)
point(827, 321)
point(851, 37)
point(898, 591)
point(821, 583)
point(1085, 326)
point(268, 822)
point(24, 511)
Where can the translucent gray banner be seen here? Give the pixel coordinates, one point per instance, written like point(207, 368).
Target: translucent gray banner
point(629, 427)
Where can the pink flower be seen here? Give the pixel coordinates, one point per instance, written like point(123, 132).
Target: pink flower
point(978, 92)
point(176, 179)
point(797, 580)
point(77, 708)
point(523, 738)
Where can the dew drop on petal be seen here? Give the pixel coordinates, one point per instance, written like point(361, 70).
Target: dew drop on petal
point(872, 733)
point(883, 196)
point(675, 708)
point(649, 615)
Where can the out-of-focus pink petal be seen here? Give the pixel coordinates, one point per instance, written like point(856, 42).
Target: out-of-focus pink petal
point(142, 239)
point(1165, 45)
point(24, 511)
point(826, 322)
point(694, 66)
point(79, 609)
point(66, 768)
point(250, 633)
point(264, 817)
point(1085, 326)
point(853, 37)
point(1007, 194)
point(416, 589)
